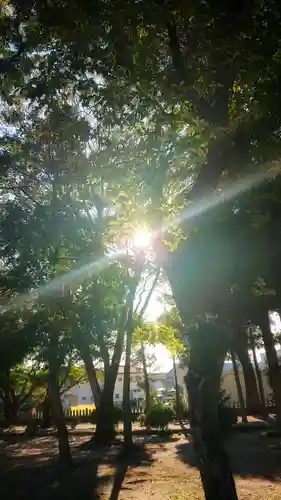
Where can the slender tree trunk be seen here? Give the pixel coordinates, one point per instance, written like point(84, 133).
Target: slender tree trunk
point(92, 375)
point(10, 406)
point(273, 363)
point(64, 459)
point(252, 395)
point(203, 383)
point(260, 382)
point(46, 421)
point(239, 388)
point(10, 400)
point(143, 357)
point(126, 392)
point(128, 440)
point(105, 431)
point(146, 381)
point(178, 401)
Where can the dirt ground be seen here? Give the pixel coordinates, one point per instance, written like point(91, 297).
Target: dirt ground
point(161, 469)
point(171, 474)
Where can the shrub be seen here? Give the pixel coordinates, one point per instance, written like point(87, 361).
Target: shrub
point(227, 414)
point(142, 419)
point(227, 418)
point(116, 416)
point(184, 409)
point(160, 416)
point(30, 429)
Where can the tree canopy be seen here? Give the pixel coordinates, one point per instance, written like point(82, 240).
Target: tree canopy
point(118, 115)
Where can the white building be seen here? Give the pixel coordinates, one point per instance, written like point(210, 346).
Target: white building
point(81, 394)
point(136, 385)
point(163, 384)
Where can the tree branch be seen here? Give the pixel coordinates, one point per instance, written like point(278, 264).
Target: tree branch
point(202, 106)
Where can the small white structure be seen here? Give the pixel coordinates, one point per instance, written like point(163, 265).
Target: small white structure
point(136, 385)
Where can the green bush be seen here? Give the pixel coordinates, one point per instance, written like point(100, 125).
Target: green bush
point(184, 409)
point(116, 416)
point(30, 429)
point(160, 416)
point(142, 419)
point(227, 414)
point(227, 418)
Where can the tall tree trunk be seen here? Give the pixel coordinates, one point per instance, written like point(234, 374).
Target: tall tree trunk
point(203, 383)
point(143, 357)
point(274, 368)
point(46, 420)
point(64, 459)
point(105, 420)
point(91, 374)
point(178, 401)
point(10, 406)
point(240, 345)
point(146, 381)
point(208, 346)
point(10, 400)
point(126, 390)
point(128, 440)
point(259, 378)
point(105, 431)
point(239, 388)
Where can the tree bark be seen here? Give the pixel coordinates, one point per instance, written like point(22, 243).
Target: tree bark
point(274, 368)
point(143, 357)
point(259, 378)
point(203, 383)
point(178, 402)
point(46, 421)
point(105, 422)
point(128, 440)
point(193, 292)
point(10, 406)
point(64, 459)
point(239, 388)
point(92, 375)
point(126, 386)
point(146, 381)
point(240, 345)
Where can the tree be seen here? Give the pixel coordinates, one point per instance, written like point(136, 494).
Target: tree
point(257, 369)
point(145, 334)
point(164, 73)
point(273, 363)
point(239, 388)
point(241, 346)
point(41, 196)
point(128, 351)
point(171, 335)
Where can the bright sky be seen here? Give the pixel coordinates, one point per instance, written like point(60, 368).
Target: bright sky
point(155, 308)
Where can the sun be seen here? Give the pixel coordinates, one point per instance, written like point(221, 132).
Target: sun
point(142, 239)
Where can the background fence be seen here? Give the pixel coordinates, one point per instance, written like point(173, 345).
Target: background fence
point(270, 407)
point(71, 416)
point(84, 416)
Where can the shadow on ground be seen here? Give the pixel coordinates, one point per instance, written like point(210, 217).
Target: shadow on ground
point(103, 478)
point(251, 455)
point(139, 456)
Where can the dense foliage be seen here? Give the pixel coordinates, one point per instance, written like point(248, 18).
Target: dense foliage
point(119, 115)
point(160, 416)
